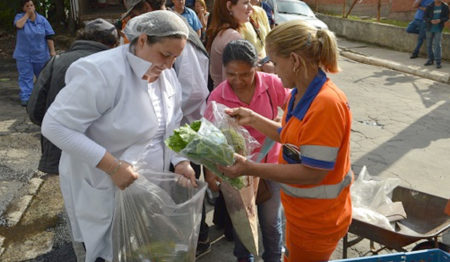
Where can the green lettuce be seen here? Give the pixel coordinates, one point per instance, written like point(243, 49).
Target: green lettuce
point(203, 143)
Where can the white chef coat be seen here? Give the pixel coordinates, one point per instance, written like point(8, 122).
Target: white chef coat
point(106, 99)
point(192, 70)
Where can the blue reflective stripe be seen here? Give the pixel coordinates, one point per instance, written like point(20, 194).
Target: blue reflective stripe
point(317, 163)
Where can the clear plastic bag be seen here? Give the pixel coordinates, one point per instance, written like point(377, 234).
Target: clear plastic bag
point(240, 202)
point(243, 143)
point(370, 194)
point(157, 218)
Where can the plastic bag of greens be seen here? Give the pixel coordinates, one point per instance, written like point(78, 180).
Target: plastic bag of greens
point(204, 144)
point(157, 218)
point(237, 136)
point(240, 202)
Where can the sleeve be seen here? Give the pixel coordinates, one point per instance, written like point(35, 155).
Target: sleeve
point(48, 28)
point(197, 23)
point(84, 99)
point(326, 124)
point(178, 115)
point(74, 143)
point(17, 17)
point(192, 72)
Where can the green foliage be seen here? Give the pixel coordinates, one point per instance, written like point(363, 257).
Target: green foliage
point(8, 10)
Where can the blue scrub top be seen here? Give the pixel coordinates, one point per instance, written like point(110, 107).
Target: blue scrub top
point(31, 43)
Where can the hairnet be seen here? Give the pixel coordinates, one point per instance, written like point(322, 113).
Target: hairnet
point(240, 50)
point(101, 27)
point(159, 23)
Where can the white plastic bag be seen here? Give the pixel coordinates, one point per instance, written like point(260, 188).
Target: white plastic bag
point(157, 218)
point(370, 194)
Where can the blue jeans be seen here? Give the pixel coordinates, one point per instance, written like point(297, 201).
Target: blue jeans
point(434, 46)
point(269, 215)
point(414, 26)
point(26, 71)
point(421, 37)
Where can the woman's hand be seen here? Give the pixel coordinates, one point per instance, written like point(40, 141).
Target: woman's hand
point(239, 167)
point(244, 116)
point(212, 180)
point(124, 175)
point(184, 168)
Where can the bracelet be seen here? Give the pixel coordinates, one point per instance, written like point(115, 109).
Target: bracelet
point(116, 168)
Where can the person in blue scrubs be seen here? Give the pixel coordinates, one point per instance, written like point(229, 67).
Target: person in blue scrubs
point(34, 45)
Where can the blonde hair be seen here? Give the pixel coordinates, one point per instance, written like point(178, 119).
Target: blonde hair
point(315, 46)
point(202, 2)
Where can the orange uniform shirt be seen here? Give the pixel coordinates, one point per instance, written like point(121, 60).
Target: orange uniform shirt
point(321, 118)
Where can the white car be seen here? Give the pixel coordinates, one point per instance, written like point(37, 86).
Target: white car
point(287, 10)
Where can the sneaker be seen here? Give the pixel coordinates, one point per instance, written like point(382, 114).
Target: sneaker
point(203, 248)
point(438, 65)
point(428, 63)
point(414, 56)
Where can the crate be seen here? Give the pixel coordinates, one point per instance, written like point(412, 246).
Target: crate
point(430, 255)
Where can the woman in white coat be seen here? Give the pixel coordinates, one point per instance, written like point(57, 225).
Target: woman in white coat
point(117, 106)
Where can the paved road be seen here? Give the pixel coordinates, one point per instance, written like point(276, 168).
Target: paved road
point(400, 129)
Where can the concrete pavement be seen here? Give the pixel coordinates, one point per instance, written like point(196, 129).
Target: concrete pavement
point(399, 61)
point(19, 204)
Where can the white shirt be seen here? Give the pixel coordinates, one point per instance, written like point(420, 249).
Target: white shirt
point(192, 70)
point(107, 105)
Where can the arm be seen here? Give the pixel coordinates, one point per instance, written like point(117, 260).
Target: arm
point(21, 22)
point(288, 174)
point(79, 145)
point(51, 47)
point(247, 117)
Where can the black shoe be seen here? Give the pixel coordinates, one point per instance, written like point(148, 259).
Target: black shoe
point(438, 65)
point(414, 56)
point(203, 248)
point(24, 103)
point(428, 63)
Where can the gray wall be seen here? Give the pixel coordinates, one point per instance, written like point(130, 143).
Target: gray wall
point(390, 36)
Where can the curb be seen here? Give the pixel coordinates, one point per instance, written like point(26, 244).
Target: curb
point(414, 70)
point(19, 206)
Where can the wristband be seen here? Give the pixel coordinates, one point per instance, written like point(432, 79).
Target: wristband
point(116, 168)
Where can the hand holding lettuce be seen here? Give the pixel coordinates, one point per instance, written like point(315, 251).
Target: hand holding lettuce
point(203, 143)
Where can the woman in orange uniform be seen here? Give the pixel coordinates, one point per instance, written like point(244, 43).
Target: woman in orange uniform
point(314, 167)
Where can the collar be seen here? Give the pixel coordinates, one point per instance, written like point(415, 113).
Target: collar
point(305, 102)
point(229, 95)
point(137, 64)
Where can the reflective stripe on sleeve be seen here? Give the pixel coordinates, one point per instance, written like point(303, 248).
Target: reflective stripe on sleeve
point(321, 191)
point(321, 153)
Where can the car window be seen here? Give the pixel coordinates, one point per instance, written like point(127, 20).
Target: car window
point(296, 8)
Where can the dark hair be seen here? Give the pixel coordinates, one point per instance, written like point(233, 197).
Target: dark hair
point(240, 50)
point(23, 2)
point(106, 38)
point(154, 4)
